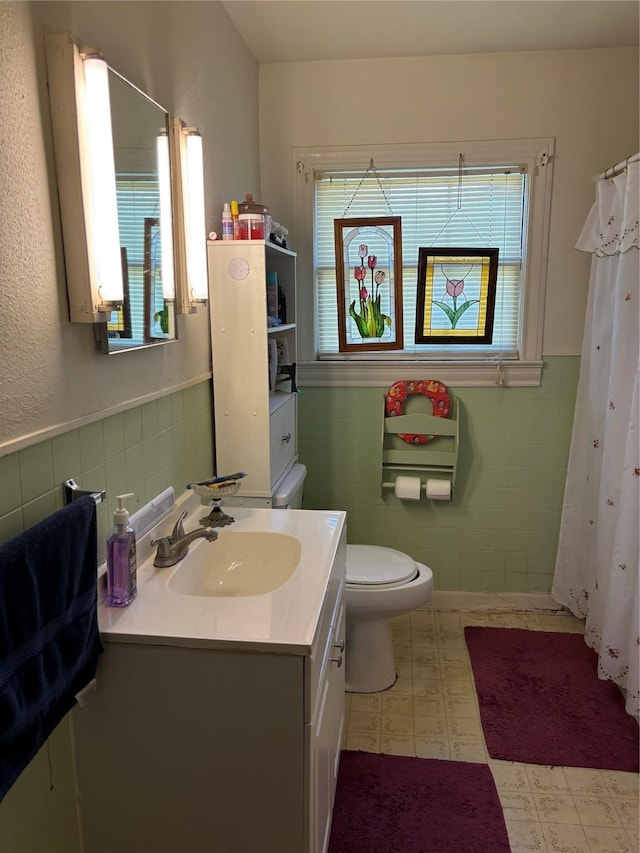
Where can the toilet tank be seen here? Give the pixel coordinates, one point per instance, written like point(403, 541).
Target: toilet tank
point(288, 495)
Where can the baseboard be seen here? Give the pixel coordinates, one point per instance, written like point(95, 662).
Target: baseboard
point(453, 600)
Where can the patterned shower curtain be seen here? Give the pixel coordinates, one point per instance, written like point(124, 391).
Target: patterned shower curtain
point(597, 568)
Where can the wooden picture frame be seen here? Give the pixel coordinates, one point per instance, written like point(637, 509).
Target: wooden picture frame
point(369, 283)
point(445, 275)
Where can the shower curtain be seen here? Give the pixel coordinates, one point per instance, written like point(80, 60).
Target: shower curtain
point(597, 566)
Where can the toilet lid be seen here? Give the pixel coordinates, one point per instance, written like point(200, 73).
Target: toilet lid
point(373, 565)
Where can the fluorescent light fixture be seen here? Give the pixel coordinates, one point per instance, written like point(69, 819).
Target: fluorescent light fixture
point(188, 216)
point(83, 141)
point(195, 230)
point(166, 229)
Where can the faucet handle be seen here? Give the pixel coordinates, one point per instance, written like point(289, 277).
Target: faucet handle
point(164, 546)
point(178, 530)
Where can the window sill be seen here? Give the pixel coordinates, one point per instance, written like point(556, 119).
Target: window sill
point(351, 374)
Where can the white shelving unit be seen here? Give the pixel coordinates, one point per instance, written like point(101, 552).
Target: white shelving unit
point(255, 425)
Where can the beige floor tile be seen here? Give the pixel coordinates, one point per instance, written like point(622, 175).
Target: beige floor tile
point(564, 837)
point(422, 619)
point(430, 689)
point(404, 670)
point(426, 748)
point(425, 671)
point(424, 706)
point(468, 750)
point(526, 837)
point(363, 721)
point(628, 812)
point(367, 702)
point(430, 727)
point(455, 672)
point(426, 656)
point(423, 640)
point(364, 741)
point(585, 783)
point(403, 686)
point(597, 811)
point(397, 724)
point(461, 707)
point(621, 784)
point(556, 808)
point(457, 657)
point(510, 777)
point(473, 619)
point(459, 688)
point(451, 641)
point(402, 652)
point(608, 840)
point(634, 839)
point(517, 806)
point(464, 727)
point(499, 620)
point(546, 780)
point(393, 703)
point(397, 745)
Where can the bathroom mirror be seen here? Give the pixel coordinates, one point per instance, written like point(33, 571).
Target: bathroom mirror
point(147, 316)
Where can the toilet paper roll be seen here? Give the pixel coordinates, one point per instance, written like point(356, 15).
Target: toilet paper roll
point(408, 488)
point(438, 490)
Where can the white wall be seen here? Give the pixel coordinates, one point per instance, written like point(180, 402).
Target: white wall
point(189, 58)
point(586, 99)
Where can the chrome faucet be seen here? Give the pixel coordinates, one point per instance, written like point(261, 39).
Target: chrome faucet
point(171, 549)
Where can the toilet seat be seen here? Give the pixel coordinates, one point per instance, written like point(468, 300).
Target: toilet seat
point(375, 567)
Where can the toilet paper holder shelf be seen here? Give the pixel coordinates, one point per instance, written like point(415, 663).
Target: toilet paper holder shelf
point(437, 459)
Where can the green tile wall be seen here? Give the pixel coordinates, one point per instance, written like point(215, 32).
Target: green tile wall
point(499, 532)
point(167, 442)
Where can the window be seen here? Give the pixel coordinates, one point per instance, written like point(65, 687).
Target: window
point(499, 199)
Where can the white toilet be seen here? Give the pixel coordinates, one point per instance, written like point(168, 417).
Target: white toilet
point(381, 583)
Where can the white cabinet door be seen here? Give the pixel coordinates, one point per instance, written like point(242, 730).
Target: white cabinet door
point(326, 736)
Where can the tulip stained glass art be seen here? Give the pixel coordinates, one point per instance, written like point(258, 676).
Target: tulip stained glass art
point(456, 295)
point(369, 283)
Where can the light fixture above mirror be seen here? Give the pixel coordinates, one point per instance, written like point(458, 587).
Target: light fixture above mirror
point(129, 199)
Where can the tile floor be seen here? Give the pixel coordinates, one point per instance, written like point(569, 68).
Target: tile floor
point(432, 712)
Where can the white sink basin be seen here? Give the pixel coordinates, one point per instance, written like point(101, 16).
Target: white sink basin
point(237, 563)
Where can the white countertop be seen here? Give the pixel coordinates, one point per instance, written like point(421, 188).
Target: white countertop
point(283, 620)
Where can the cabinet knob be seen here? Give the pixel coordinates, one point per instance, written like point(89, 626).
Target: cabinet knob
point(286, 437)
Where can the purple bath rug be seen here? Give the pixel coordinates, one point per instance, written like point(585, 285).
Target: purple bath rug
point(541, 701)
point(392, 804)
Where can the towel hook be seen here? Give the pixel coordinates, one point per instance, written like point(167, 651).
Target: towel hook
point(72, 492)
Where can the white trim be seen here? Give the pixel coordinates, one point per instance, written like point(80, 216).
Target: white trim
point(336, 374)
point(15, 444)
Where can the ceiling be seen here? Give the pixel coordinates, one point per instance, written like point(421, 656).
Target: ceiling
point(305, 30)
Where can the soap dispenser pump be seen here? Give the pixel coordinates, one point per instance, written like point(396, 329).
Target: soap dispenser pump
point(121, 558)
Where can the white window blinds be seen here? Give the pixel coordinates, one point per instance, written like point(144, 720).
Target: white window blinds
point(485, 208)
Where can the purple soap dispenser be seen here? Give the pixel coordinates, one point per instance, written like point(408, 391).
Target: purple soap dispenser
point(121, 558)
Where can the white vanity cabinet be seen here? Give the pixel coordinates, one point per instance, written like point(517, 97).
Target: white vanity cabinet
point(256, 425)
point(192, 748)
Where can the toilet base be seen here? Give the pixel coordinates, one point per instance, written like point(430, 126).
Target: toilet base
point(370, 664)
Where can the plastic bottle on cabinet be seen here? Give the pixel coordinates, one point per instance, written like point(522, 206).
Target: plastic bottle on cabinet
point(121, 558)
point(227, 222)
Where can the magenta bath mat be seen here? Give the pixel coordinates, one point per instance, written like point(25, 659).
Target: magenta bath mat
point(392, 804)
point(541, 701)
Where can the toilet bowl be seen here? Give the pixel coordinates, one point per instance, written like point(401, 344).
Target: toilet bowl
point(381, 583)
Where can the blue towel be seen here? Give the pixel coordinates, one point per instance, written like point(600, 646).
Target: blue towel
point(49, 638)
